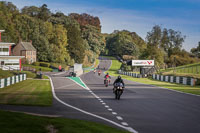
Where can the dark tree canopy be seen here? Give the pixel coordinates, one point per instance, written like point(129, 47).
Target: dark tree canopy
point(86, 19)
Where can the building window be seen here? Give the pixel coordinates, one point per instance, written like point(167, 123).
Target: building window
point(2, 62)
point(5, 49)
point(11, 63)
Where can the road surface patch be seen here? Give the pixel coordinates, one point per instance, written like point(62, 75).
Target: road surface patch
point(82, 84)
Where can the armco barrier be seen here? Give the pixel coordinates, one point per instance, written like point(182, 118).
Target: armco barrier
point(12, 80)
point(129, 74)
point(174, 79)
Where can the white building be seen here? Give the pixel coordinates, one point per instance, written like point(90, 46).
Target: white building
point(7, 61)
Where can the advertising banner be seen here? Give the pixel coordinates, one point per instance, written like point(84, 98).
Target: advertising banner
point(142, 62)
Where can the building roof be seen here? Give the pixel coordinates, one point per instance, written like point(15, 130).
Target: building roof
point(2, 30)
point(11, 57)
point(28, 46)
point(6, 43)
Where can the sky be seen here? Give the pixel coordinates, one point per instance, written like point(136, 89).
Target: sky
point(134, 15)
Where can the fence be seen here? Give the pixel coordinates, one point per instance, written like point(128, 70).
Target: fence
point(136, 75)
point(175, 79)
point(192, 69)
point(12, 80)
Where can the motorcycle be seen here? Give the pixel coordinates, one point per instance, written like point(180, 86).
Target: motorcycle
point(99, 73)
point(106, 82)
point(119, 88)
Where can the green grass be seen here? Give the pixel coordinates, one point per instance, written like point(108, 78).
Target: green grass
point(29, 74)
point(5, 74)
point(190, 68)
point(44, 69)
point(45, 77)
point(171, 73)
point(109, 57)
point(28, 92)
point(91, 68)
point(114, 67)
point(13, 122)
point(184, 88)
point(96, 63)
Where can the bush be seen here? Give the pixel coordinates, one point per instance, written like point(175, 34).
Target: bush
point(36, 63)
point(44, 64)
point(198, 82)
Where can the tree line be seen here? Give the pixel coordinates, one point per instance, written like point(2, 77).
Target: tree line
point(58, 38)
point(77, 38)
point(161, 44)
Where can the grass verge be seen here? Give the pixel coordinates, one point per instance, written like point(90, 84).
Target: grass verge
point(5, 74)
point(182, 74)
point(179, 87)
point(28, 92)
point(12, 122)
point(44, 69)
point(91, 68)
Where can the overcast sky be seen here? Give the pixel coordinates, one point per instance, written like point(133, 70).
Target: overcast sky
point(134, 15)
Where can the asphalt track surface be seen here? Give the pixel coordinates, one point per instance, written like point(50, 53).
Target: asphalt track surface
point(145, 108)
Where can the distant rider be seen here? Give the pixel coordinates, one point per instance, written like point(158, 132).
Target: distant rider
point(99, 72)
point(107, 76)
point(118, 80)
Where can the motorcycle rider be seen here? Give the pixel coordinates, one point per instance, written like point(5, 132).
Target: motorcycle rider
point(107, 76)
point(118, 80)
point(99, 72)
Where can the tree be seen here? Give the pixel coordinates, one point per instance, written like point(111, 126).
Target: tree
point(95, 39)
point(121, 43)
point(165, 42)
point(32, 11)
point(76, 45)
point(154, 50)
point(196, 51)
point(86, 19)
point(59, 42)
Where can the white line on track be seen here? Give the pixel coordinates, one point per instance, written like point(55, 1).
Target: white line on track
point(119, 118)
point(114, 113)
point(109, 109)
point(88, 113)
point(124, 123)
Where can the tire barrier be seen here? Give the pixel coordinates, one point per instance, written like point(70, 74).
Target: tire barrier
point(175, 79)
point(12, 80)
